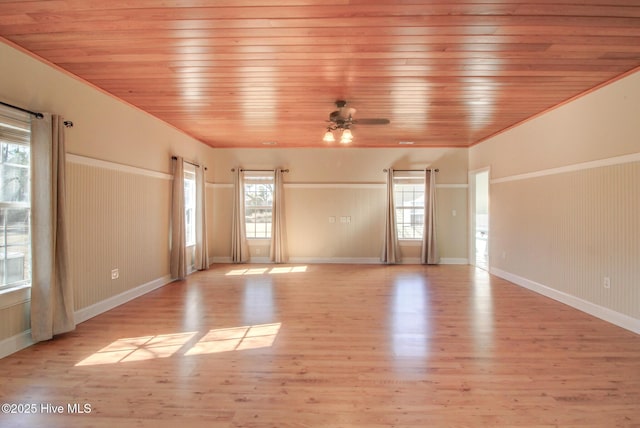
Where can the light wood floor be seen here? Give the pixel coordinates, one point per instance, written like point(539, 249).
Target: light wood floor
point(334, 346)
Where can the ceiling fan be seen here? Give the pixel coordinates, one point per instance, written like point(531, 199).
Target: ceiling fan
point(342, 120)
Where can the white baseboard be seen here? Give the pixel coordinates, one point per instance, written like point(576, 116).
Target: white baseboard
point(443, 261)
point(15, 343)
point(454, 261)
point(606, 314)
point(254, 259)
point(345, 260)
point(119, 299)
point(309, 260)
point(336, 260)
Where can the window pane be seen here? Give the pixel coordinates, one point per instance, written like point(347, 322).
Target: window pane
point(190, 208)
point(258, 196)
point(14, 173)
point(409, 194)
point(15, 153)
point(15, 253)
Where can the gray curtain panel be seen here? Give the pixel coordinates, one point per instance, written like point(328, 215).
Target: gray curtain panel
point(390, 249)
point(429, 253)
point(239, 246)
point(178, 261)
point(278, 250)
point(52, 301)
point(201, 261)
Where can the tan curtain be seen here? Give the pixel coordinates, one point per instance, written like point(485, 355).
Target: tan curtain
point(52, 302)
point(278, 251)
point(201, 261)
point(178, 262)
point(429, 242)
point(390, 250)
point(239, 246)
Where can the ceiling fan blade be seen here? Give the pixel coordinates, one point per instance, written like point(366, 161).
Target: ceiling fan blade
point(372, 121)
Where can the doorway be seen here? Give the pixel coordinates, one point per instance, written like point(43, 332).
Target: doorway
point(479, 225)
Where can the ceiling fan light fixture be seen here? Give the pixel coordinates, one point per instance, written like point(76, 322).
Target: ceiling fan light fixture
point(328, 137)
point(345, 140)
point(346, 136)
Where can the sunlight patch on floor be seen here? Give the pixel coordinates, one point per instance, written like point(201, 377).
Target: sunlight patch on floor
point(236, 339)
point(166, 345)
point(260, 271)
point(138, 349)
point(289, 269)
point(254, 271)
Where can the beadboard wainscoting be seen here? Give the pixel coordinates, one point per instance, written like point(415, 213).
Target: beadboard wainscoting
point(573, 234)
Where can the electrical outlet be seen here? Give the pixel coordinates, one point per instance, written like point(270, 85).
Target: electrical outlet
point(607, 282)
point(115, 273)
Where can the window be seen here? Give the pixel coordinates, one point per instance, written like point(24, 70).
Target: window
point(409, 201)
point(15, 199)
point(190, 204)
point(258, 205)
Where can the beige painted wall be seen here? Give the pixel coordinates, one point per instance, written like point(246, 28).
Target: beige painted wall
point(342, 182)
point(567, 229)
point(341, 165)
point(602, 124)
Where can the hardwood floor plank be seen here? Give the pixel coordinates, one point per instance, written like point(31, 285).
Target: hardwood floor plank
point(334, 345)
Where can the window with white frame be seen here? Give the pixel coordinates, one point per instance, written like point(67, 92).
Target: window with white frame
point(15, 198)
point(258, 204)
point(190, 204)
point(409, 203)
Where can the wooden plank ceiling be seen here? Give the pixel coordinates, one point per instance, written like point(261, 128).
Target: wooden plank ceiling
point(242, 73)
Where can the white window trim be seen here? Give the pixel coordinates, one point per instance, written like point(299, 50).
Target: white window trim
point(415, 242)
point(15, 295)
point(259, 241)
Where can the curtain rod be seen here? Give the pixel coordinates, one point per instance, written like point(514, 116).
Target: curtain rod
point(190, 163)
point(412, 170)
point(38, 115)
point(258, 170)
